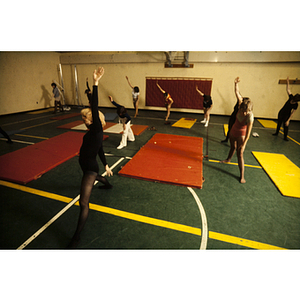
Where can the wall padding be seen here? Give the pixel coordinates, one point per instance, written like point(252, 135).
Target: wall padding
point(182, 91)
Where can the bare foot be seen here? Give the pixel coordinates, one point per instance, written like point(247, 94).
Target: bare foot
point(224, 161)
point(242, 180)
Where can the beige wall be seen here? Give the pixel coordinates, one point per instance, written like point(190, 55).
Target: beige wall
point(25, 80)
point(259, 73)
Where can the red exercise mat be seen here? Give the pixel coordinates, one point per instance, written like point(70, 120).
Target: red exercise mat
point(29, 163)
point(171, 159)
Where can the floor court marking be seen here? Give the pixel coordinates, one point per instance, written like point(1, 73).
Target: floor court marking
point(203, 218)
point(236, 164)
point(156, 222)
point(17, 141)
point(290, 138)
point(28, 241)
point(27, 120)
point(39, 125)
point(32, 136)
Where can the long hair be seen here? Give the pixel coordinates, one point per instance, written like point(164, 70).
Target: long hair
point(246, 105)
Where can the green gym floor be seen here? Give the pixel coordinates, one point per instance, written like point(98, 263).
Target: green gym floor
point(138, 214)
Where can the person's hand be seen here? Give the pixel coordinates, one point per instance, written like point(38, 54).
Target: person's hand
point(126, 77)
point(98, 74)
point(287, 123)
point(108, 171)
point(110, 98)
point(237, 80)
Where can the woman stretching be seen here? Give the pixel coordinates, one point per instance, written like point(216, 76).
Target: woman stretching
point(207, 105)
point(168, 101)
point(135, 97)
point(126, 121)
point(91, 146)
point(240, 133)
point(239, 100)
point(286, 112)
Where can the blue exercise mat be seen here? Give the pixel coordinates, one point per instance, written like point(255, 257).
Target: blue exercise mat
point(110, 116)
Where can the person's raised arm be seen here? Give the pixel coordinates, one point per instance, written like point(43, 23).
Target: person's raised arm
point(199, 91)
point(129, 82)
point(160, 87)
point(288, 86)
point(237, 90)
point(97, 75)
point(113, 102)
point(94, 99)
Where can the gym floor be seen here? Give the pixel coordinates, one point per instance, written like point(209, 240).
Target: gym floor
point(138, 214)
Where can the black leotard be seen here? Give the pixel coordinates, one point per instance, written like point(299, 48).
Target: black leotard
point(92, 140)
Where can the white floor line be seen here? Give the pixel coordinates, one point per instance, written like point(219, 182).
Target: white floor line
point(17, 141)
point(27, 242)
point(204, 231)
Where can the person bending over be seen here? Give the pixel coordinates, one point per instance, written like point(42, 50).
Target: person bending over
point(286, 112)
point(207, 106)
point(126, 121)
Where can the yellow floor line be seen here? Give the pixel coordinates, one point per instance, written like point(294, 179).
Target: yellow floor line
point(36, 137)
point(39, 125)
point(243, 242)
point(290, 138)
point(148, 220)
point(230, 163)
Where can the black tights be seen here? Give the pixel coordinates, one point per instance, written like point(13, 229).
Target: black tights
point(87, 184)
point(282, 120)
point(103, 180)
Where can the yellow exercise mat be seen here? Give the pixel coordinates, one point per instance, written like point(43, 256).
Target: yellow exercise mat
point(225, 129)
point(185, 123)
point(267, 123)
point(284, 173)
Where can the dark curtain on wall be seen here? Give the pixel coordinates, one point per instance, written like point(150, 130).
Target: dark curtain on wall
point(182, 91)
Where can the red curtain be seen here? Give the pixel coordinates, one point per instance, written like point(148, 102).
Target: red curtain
point(182, 91)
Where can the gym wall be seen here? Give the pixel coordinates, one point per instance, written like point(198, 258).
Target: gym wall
point(26, 77)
